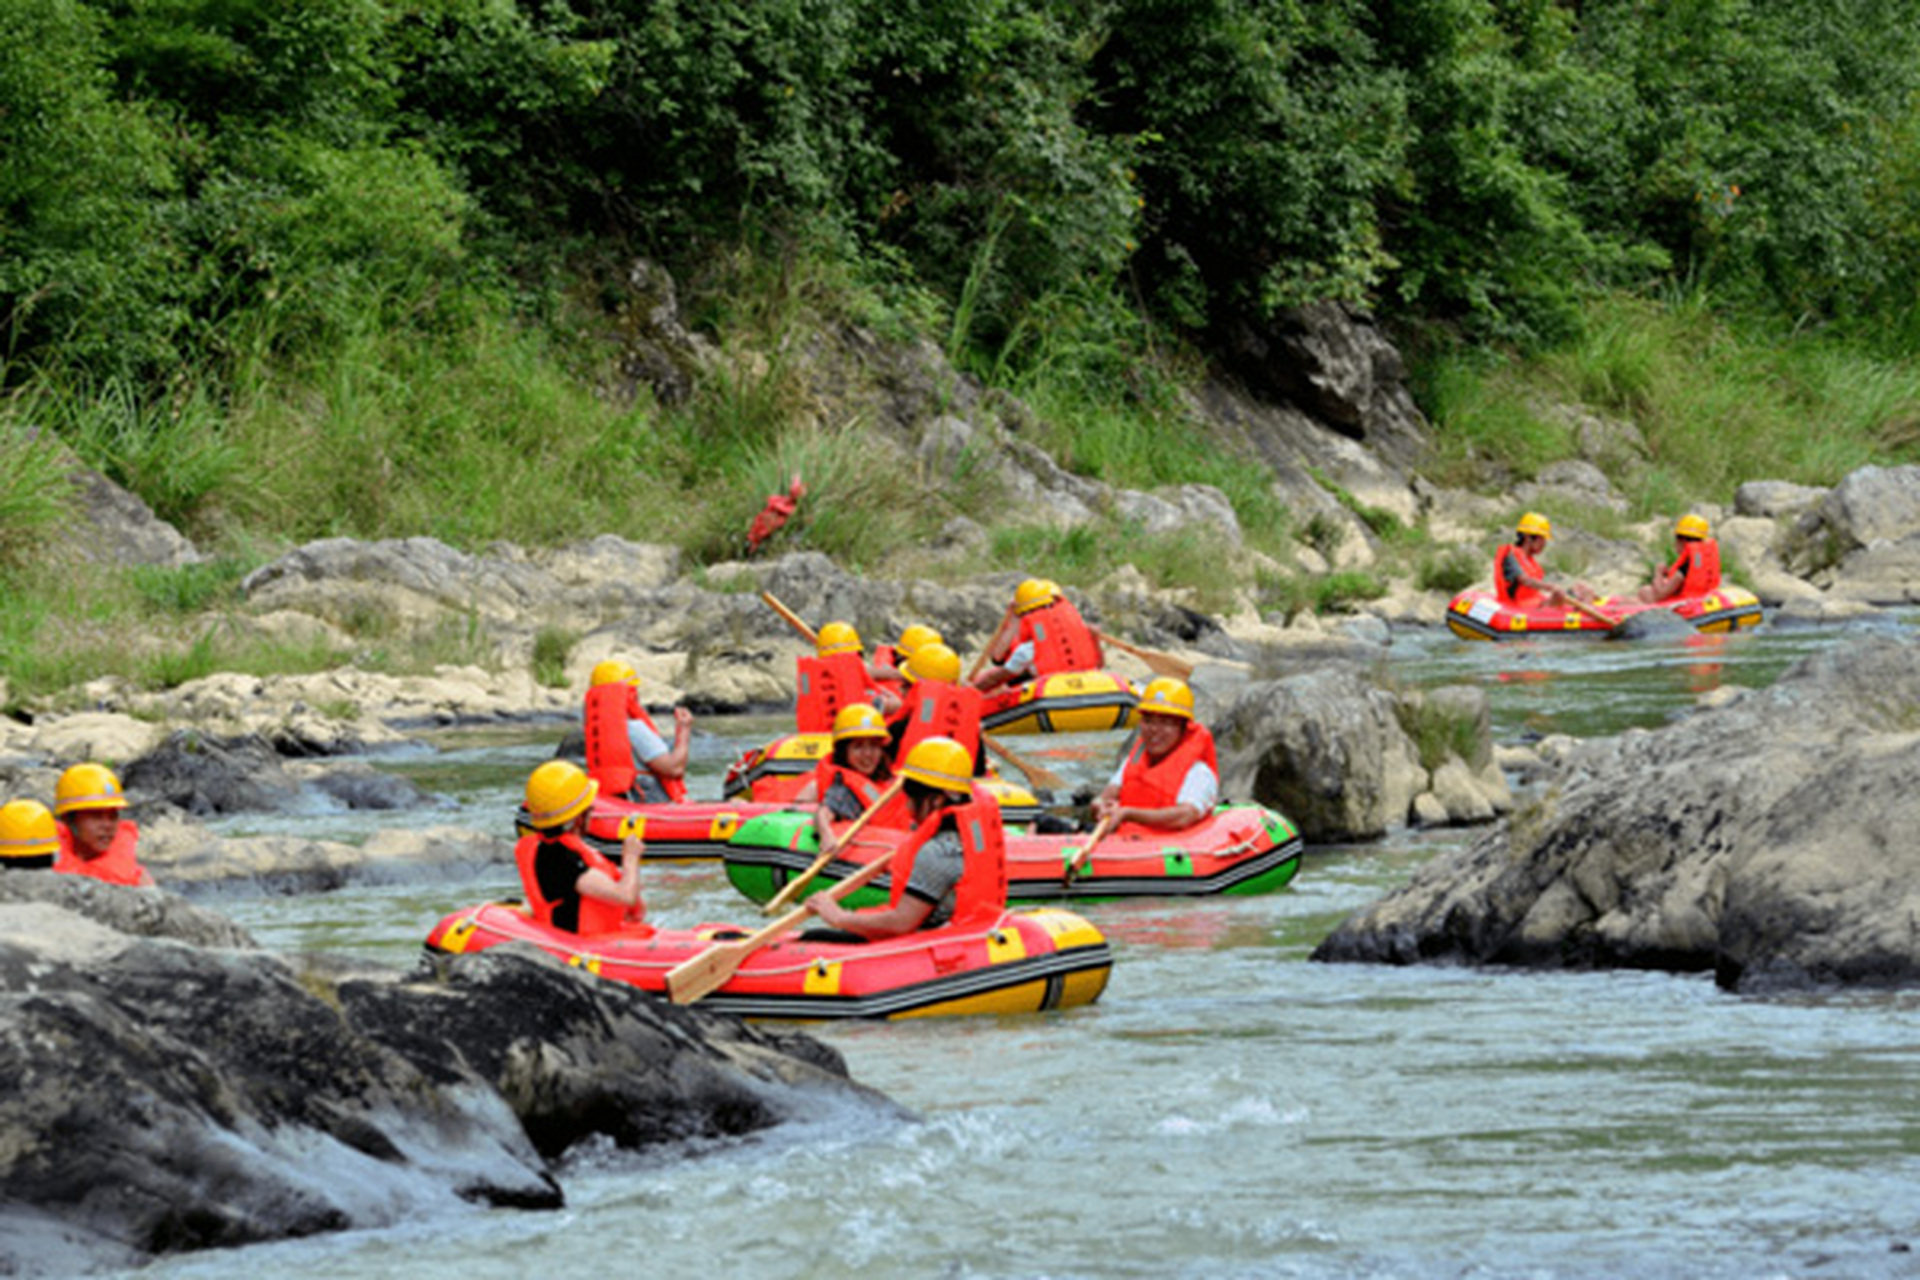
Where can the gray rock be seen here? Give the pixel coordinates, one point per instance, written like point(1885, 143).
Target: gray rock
point(115, 527)
point(1766, 840)
point(1325, 748)
point(165, 1096)
point(1774, 499)
point(1650, 624)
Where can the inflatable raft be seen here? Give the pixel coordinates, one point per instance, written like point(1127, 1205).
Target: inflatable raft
point(1240, 849)
point(695, 829)
point(772, 775)
point(1021, 962)
point(1479, 615)
point(1065, 702)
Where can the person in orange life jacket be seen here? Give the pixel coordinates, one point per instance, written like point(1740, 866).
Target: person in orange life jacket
point(1051, 637)
point(850, 779)
point(937, 703)
point(889, 660)
point(625, 753)
point(1517, 577)
point(939, 782)
point(568, 884)
point(94, 840)
point(29, 837)
point(840, 637)
point(1696, 566)
point(1171, 779)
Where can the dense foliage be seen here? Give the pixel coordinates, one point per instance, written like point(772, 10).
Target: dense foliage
point(202, 197)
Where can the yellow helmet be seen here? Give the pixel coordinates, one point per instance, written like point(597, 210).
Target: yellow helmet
point(915, 636)
point(858, 720)
point(1166, 696)
point(26, 831)
point(557, 793)
point(613, 671)
point(1692, 526)
point(1032, 594)
point(933, 661)
point(1534, 523)
point(87, 786)
point(837, 637)
point(940, 762)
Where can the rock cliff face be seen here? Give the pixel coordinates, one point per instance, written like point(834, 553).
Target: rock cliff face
point(1769, 841)
point(172, 1087)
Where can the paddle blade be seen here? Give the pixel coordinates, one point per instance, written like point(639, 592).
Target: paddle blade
point(708, 971)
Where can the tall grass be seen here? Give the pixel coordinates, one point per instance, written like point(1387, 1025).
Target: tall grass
point(1719, 400)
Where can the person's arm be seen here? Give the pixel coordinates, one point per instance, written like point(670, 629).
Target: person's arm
point(623, 892)
point(873, 923)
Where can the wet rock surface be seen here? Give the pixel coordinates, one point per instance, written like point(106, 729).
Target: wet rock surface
point(1767, 840)
point(172, 1087)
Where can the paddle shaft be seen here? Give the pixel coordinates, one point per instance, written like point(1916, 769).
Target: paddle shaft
point(1581, 606)
point(992, 640)
point(819, 864)
point(1162, 663)
point(1045, 779)
point(1100, 832)
point(693, 978)
point(793, 619)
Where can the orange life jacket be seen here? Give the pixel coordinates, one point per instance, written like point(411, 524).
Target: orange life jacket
point(1520, 597)
point(936, 709)
point(1146, 785)
point(1699, 567)
point(609, 750)
point(980, 896)
point(824, 685)
point(595, 916)
point(866, 790)
point(1062, 641)
point(120, 864)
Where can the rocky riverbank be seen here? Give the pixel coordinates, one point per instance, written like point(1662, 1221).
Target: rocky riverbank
point(1767, 839)
point(173, 1087)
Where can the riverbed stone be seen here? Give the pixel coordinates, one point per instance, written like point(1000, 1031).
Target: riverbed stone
point(1763, 840)
point(1326, 748)
point(172, 1087)
point(109, 738)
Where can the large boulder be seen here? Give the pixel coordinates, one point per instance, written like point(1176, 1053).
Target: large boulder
point(1861, 542)
point(173, 1088)
point(1766, 840)
point(1324, 747)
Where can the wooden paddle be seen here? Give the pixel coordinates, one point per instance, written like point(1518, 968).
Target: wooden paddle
point(1160, 663)
point(992, 640)
point(827, 851)
point(1598, 615)
point(693, 978)
point(1036, 775)
point(1079, 859)
point(793, 619)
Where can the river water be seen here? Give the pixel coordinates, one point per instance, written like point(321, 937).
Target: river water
point(1228, 1108)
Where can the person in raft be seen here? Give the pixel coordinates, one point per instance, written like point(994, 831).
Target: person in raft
point(889, 659)
point(835, 638)
point(29, 837)
point(953, 828)
point(852, 778)
point(1517, 577)
point(568, 883)
point(1051, 637)
point(1696, 566)
point(1171, 779)
point(626, 754)
point(94, 839)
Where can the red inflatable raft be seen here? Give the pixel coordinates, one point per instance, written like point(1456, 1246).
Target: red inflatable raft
point(1479, 615)
point(1240, 849)
point(1019, 962)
